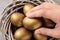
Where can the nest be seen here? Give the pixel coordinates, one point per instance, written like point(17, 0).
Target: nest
point(11, 8)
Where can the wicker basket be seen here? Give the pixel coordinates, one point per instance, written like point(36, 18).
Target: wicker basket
point(13, 7)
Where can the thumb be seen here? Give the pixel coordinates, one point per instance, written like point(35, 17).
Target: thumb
point(48, 32)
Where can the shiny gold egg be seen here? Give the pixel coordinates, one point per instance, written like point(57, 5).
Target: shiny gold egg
point(40, 37)
point(22, 34)
point(17, 19)
point(31, 24)
point(27, 7)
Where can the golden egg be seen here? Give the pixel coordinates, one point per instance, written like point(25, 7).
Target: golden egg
point(31, 24)
point(17, 19)
point(22, 34)
point(40, 37)
point(27, 7)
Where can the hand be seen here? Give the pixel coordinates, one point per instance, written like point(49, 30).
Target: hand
point(50, 11)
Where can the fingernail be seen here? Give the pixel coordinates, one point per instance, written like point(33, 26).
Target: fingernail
point(28, 14)
point(37, 32)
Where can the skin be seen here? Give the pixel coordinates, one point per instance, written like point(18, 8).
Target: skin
point(50, 11)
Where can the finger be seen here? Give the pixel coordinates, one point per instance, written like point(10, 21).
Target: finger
point(46, 13)
point(43, 5)
point(43, 13)
point(57, 27)
point(49, 32)
point(46, 10)
point(37, 13)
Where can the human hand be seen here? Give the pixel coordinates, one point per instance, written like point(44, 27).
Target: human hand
point(50, 11)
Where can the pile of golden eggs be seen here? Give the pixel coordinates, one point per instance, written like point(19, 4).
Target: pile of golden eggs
point(26, 26)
